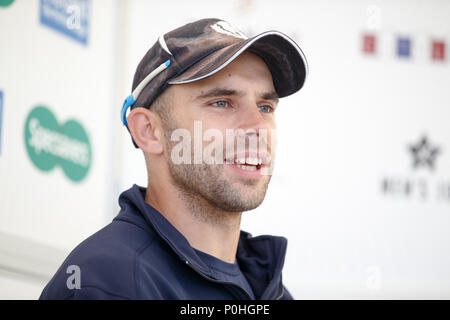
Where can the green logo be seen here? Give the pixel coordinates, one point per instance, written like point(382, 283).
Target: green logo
point(49, 144)
point(5, 3)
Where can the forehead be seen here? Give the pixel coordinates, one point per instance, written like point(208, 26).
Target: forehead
point(248, 72)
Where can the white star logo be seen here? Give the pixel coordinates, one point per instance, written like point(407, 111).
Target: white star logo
point(226, 28)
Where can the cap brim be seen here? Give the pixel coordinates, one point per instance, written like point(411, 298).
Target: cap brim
point(283, 57)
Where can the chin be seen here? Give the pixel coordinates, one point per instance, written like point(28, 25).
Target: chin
point(241, 200)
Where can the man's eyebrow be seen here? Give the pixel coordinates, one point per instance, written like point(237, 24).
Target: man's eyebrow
point(217, 92)
point(221, 92)
point(271, 96)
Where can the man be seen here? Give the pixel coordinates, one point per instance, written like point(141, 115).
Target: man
point(180, 237)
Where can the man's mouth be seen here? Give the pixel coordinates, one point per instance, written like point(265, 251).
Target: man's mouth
point(249, 162)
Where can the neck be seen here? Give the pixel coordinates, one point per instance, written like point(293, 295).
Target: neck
point(206, 227)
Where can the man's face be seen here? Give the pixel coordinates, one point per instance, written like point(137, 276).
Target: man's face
point(240, 96)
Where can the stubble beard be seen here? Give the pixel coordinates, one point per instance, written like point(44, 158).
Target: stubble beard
point(207, 190)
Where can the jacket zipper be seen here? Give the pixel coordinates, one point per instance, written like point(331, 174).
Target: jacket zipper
point(218, 281)
point(282, 293)
point(206, 277)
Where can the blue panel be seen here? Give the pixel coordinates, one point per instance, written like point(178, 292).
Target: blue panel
point(403, 47)
point(69, 17)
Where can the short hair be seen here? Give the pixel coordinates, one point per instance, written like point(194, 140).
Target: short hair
point(162, 106)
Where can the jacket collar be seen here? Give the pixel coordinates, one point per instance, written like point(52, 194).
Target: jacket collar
point(261, 258)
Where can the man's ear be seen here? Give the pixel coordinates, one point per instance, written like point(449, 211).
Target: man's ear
point(145, 128)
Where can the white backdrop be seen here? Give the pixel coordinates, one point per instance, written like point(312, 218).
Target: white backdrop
point(361, 220)
point(43, 215)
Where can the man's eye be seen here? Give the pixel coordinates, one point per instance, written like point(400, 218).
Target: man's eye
point(265, 109)
point(220, 104)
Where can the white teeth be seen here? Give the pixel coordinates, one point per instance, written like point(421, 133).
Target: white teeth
point(249, 168)
point(253, 161)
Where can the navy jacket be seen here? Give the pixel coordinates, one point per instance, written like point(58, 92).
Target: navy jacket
point(140, 255)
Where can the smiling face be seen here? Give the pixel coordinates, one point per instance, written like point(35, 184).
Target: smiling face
point(240, 96)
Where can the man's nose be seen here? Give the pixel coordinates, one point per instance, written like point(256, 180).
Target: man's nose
point(251, 119)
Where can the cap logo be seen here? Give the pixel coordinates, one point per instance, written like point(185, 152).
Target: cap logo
point(225, 28)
